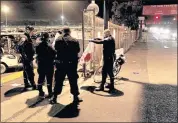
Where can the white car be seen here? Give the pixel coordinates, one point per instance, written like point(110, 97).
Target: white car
point(12, 61)
point(9, 61)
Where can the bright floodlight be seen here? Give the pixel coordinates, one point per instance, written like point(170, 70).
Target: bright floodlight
point(174, 34)
point(154, 29)
point(5, 9)
point(166, 31)
point(62, 17)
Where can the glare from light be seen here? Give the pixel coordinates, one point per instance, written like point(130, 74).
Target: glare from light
point(166, 31)
point(114, 33)
point(99, 34)
point(5, 9)
point(174, 34)
point(154, 29)
point(62, 17)
point(62, 2)
point(174, 18)
point(161, 30)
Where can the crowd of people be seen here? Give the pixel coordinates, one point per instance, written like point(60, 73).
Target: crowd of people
point(63, 53)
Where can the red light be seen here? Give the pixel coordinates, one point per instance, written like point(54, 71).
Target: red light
point(157, 17)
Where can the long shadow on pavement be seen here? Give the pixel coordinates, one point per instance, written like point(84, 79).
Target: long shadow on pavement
point(92, 90)
point(14, 91)
point(159, 102)
point(60, 111)
point(36, 101)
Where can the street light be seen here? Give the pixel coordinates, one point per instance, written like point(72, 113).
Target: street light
point(62, 13)
point(5, 9)
point(62, 18)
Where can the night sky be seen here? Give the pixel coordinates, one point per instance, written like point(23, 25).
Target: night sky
point(33, 9)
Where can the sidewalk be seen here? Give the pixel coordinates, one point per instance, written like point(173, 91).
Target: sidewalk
point(147, 92)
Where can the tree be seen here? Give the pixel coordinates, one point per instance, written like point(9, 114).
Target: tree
point(127, 13)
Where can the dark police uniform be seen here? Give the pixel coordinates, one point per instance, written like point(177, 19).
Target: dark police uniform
point(45, 60)
point(26, 49)
point(66, 64)
point(108, 59)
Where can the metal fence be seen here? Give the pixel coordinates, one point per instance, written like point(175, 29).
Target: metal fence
point(124, 38)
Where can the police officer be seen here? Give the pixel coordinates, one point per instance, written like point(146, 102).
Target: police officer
point(108, 58)
point(26, 49)
point(66, 64)
point(45, 60)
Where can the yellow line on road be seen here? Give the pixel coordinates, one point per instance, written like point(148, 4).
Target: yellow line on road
point(12, 76)
point(16, 75)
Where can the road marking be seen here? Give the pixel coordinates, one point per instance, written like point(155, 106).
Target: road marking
point(16, 75)
point(13, 76)
point(16, 84)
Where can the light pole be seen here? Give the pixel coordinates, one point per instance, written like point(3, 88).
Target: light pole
point(62, 14)
point(106, 14)
point(5, 10)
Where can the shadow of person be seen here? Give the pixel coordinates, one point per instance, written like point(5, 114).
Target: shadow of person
point(14, 91)
point(104, 93)
point(69, 111)
point(36, 101)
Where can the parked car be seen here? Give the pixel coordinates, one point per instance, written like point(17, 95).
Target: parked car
point(12, 61)
point(9, 61)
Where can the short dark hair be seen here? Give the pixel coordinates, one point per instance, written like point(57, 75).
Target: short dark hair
point(45, 35)
point(66, 30)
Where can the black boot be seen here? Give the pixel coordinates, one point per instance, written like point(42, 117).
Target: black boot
point(100, 88)
point(53, 100)
point(111, 87)
point(77, 99)
point(107, 86)
point(34, 87)
point(41, 94)
point(26, 87)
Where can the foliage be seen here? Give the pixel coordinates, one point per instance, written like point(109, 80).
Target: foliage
point(127, 13)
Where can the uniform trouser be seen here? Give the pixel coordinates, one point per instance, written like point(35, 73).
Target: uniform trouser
point(108, 70)
point(63, 69)
point(28, 73)
point(45, 71)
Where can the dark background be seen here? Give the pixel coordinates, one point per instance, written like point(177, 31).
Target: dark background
point(44, 9)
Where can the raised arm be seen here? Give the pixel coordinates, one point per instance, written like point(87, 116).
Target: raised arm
point(98, 41)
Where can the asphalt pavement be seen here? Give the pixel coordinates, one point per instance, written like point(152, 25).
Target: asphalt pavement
point(146, 91)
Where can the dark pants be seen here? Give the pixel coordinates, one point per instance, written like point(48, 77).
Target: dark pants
point(28, 73)
point(63, 69)
point(45, 71)
point(108, 70)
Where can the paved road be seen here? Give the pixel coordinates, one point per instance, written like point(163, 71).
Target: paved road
point(147, 92)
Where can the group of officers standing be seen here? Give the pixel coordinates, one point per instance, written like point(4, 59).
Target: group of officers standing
point(64, 55)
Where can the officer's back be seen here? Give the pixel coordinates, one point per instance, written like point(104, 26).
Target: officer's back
point(45, 52)
point(67, 47)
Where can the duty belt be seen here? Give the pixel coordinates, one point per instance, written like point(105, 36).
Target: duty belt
point(59, 61)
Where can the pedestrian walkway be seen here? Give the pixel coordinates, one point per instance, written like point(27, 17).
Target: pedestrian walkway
point(146, 92)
